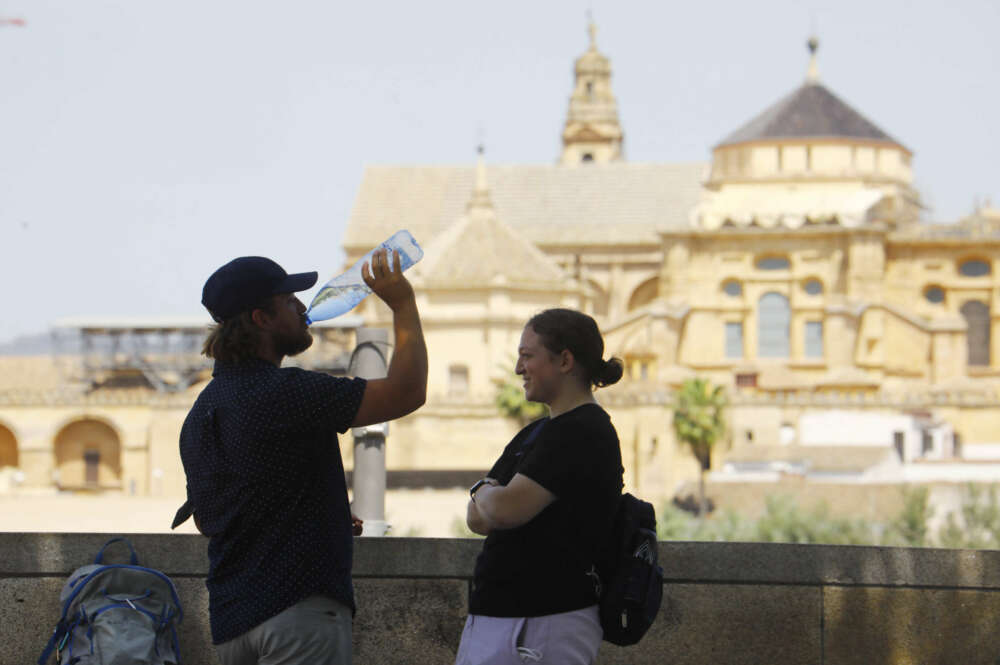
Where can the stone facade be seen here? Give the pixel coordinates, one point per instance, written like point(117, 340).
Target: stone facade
point(793, 269)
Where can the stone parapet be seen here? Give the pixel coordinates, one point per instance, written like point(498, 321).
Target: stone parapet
point(723, 602)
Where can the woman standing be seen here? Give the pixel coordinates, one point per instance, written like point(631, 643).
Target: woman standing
point(546, 506)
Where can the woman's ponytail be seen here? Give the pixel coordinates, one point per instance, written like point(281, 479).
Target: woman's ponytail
point(609, 373)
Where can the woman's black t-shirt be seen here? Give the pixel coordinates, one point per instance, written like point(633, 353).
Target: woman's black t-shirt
point(541, 567)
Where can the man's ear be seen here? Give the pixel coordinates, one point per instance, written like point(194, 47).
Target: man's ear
point(260, 318)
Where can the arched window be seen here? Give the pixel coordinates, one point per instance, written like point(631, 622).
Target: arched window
point(644, 293)
point(773, 263)
point(8, 448)
point(974, 268)
point(587, 157)
point(88, 456)
point(977, 316)
point(773, 323)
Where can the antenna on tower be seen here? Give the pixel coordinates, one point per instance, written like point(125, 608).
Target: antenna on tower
point(592, 28)
point(812, 75)
point(480, 140)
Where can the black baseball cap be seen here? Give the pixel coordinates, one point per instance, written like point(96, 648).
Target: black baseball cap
point(245, 282)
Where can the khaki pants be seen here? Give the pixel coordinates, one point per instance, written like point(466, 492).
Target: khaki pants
point(315, 631)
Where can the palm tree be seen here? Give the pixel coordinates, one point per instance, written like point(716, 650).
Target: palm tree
point(699, 422)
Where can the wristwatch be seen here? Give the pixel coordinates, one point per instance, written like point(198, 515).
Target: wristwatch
point(479, 483)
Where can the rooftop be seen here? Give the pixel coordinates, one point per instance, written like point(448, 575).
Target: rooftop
point(617, 202)
point(811, 111)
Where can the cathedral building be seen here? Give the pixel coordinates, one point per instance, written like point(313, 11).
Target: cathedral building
point(793, 269)
point(854, 340)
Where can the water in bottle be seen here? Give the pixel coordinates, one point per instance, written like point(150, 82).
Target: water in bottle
point(343, 292)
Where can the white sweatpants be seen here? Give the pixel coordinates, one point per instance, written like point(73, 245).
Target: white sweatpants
point(569, 638)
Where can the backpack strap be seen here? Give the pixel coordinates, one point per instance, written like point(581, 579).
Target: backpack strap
point(134, 560)
point(643, 510)
point(534, 432)
point(58, 634)
point(528, 440)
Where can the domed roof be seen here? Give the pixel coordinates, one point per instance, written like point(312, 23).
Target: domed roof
point(592, 61)
point(811, 111)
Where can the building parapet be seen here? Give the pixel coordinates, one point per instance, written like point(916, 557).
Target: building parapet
point(795, 398)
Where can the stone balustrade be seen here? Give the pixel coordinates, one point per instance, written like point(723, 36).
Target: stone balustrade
point(724, 603)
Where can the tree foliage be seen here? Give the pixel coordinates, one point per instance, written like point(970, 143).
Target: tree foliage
point(909, 528)
point(976, 525)
point(699, 417)
point(699, 422)
point(782, 522)
point(509, 398)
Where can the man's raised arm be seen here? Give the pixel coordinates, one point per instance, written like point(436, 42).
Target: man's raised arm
point(404, 389)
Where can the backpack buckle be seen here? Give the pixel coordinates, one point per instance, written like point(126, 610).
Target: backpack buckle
point(596, 577)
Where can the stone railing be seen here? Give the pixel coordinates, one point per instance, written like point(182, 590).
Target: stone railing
point(742, 603)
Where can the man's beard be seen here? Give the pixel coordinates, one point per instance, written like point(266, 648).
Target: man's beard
point(293, 345)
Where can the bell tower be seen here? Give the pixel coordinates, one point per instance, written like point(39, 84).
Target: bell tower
point(592, 132)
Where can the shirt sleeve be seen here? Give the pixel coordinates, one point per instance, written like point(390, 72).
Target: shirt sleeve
point(319, 398)
point(558, 459)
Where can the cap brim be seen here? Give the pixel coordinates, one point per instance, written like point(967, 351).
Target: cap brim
point(300, 281)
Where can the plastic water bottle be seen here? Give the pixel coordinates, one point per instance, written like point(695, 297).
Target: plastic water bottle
point(342, 293)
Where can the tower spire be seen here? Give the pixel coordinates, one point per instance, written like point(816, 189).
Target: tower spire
point(592, 132)
point(812, 74)
point(480, 200)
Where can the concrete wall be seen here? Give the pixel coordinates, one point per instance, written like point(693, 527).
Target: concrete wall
point(724, 603)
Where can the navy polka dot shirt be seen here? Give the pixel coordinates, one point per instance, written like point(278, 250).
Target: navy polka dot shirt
point(266, 482)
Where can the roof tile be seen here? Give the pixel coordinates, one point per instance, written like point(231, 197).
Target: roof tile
point(618, 202)
point(810, 111)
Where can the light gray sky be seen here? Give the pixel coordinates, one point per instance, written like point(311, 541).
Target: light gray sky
point(143, 143)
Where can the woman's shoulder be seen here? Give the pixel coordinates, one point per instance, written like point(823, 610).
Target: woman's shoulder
point(527, 433)
point(588, 420)
point(586, 415)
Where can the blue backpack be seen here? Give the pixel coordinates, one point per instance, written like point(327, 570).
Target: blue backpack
point(116, 614)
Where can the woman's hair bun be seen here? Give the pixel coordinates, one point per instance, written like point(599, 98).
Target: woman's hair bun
point(611, 371)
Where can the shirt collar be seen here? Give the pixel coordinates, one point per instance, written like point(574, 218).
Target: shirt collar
point(247, 366)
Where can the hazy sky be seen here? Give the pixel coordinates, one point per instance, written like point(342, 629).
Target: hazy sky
point(142, 143)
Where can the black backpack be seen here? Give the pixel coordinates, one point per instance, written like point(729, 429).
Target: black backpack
point(630, 582)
